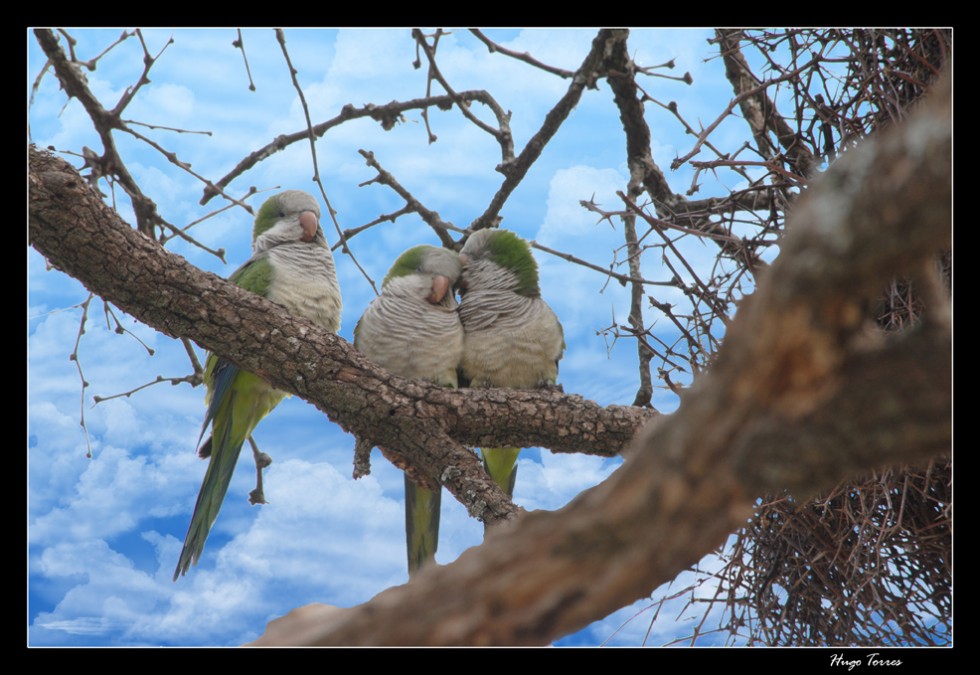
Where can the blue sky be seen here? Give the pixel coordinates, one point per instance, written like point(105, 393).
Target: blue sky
point(105, 532)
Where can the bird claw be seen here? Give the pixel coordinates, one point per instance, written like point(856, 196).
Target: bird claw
point(262, 460)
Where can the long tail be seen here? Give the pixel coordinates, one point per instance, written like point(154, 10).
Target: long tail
point(238, 400)
point(501, 464)
point(224, 457)
point(422, 507)
point(224, 446)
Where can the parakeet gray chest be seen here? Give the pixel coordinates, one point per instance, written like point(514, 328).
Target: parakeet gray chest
point(510, 340)
point(410, 336)
point(303, 280)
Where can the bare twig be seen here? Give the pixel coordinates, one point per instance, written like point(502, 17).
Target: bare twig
point(493, 47)
point(81, 376)
point(431, 218)
point(148, 60)
point(119, 329)
point(165, 128)
point(191, 379)
point(239, 43)
point(705, 293)
point(502, 134)
point(623, 279)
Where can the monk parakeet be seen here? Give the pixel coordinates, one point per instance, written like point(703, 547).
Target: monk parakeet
point(511, 338)
point(413, 330)
point(291, 264)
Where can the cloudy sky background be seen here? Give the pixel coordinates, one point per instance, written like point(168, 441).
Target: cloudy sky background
point(105, 532)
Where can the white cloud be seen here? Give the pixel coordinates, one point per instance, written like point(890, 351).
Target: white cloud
point(552, 483)
point(172, 102)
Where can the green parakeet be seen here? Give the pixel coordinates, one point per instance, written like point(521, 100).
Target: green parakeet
point(512, 338)
point(291, 264)
point(413, 330)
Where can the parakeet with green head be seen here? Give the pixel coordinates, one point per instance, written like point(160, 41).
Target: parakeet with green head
point(412, 329)
point(511, 337)
point(291, 264)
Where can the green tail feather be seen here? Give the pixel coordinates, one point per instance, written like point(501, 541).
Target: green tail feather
point(238, 401)
point(422, 507)
point(213, 490)
point(501, 464)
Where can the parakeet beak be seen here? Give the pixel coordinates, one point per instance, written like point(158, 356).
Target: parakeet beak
point(440, 286)
point(308, 221)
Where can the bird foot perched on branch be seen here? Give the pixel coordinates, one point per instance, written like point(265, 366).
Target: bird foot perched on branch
point(262, 460)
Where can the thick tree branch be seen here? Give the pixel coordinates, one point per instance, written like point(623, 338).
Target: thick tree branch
point(802, 396)
point(621, 73)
